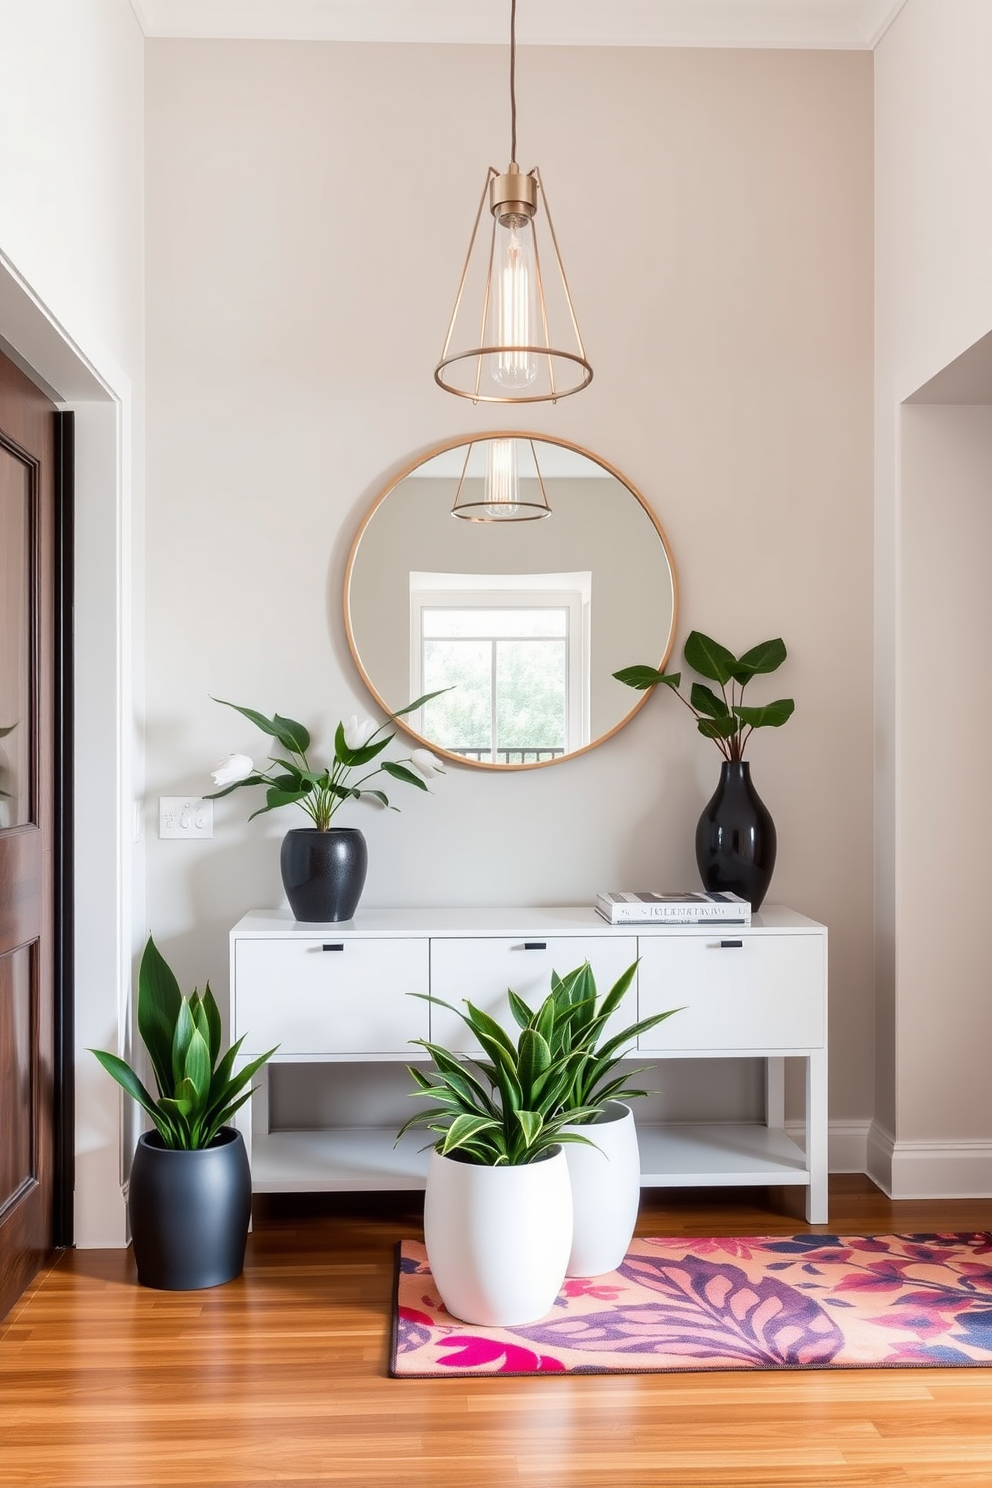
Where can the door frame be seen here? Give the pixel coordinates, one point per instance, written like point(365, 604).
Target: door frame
point(107, 863)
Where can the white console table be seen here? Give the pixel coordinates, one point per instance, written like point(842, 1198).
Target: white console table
point(340, 993)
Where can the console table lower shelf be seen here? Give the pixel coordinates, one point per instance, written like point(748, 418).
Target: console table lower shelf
point(674, 1156)
point(351, 997)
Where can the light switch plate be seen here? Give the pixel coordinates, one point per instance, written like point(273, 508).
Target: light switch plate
point(189, 817)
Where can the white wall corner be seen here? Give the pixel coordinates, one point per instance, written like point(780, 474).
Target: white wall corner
point(929, 1170)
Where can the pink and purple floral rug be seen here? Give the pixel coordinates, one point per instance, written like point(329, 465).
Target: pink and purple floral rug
point(771, 1302)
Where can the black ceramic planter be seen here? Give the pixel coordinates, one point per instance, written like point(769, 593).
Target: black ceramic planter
point(189, 1212)
point(323, 873)
point(735, 838)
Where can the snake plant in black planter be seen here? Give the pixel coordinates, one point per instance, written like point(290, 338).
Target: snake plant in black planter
point(189, 1195)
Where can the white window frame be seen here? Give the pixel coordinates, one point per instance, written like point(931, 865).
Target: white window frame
point(571, 591)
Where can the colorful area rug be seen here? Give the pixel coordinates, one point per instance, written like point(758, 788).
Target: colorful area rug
point(772, 1302)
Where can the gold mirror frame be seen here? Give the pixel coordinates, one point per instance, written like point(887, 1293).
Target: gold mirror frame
point(461, 442)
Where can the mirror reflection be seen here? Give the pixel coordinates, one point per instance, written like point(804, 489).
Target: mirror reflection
point(523, 621)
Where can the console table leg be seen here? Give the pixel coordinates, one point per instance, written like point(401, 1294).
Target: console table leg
point(817, 1201)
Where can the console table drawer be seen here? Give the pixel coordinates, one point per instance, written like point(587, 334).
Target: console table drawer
point(481, 969)
point(330, 996)
point(736, 991)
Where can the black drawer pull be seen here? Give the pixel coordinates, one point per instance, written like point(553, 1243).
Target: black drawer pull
point(535, 945)
point(338, 947)
point(731, 945)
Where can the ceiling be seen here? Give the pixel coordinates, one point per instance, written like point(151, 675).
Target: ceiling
point(816, 24)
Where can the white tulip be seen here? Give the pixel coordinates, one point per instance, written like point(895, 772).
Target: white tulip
point(426, 763)
point(358, 731)
point(236, 767)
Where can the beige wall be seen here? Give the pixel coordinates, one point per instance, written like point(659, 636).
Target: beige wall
point(308, 209)
point(933, 1130)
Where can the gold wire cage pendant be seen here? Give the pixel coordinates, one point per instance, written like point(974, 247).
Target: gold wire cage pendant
point(499, 493)
point(525, 345)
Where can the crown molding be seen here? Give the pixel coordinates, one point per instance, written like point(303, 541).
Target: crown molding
point(846, 25)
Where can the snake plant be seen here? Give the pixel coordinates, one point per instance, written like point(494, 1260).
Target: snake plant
point(196, 1094)
point(510, 1105)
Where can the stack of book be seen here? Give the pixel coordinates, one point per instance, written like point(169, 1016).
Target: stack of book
point(639, 907)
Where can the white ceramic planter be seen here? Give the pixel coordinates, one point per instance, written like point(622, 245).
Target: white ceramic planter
point(498, 1238)
point(606, 1191)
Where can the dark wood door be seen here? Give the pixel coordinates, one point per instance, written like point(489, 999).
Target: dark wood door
point(27, 858)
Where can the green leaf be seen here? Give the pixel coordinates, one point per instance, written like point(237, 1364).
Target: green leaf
point(213, 1124)
point(709, 658)
point(291, 735)
point(483, 1025)
point(125, 1077)
point(379, 795)
point(772, 715)
point(767, 657)
point(531, 1124)
point(184, 1100)
point(643, 677)
point(214, 1029)
point(294, 775)
point(277, 796)
point(420, 1079)
point(547, 1021)
point(429, 1119)
point(705, 700)
point(248, 780)
point(419, 702)
point(181, 1036)
point(343, 792)
point(534, 1060)
point(361, 756)
point(608, 1006)
point(159, 1002)
point(222, 1094)
point(463, 1129)
point(718, 728)
point(400, 772)
point(197, 1071)
point(621, 1040)
point(175, 1113)
point(522, 1015)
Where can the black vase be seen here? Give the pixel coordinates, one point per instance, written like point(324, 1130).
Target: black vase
point(189, 1212)
point(323, 873)
point(735, 838)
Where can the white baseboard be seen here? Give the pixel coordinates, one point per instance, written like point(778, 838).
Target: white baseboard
point(928, 1170)
point(847, 1144)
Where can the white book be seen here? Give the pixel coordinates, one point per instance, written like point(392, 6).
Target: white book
point(641, 907)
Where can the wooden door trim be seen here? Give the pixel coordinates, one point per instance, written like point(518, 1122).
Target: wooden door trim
point(63, 836)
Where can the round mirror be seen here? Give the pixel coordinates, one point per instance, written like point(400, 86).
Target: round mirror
point(517, 572)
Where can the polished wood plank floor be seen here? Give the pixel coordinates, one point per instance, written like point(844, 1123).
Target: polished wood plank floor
point(280, 1377)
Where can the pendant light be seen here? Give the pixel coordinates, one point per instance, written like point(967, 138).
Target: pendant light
point(521, 342)
point(500, 498)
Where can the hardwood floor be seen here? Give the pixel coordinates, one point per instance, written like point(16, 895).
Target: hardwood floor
point(280, 1377)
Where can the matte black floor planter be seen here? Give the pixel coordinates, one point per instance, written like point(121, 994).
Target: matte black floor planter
point(189, 1212)
point(735, 839)
point(323, 873)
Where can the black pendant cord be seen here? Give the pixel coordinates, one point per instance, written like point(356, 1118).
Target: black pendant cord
point(513, 79)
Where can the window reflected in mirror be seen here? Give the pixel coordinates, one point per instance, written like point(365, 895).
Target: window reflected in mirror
point(524, 622)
